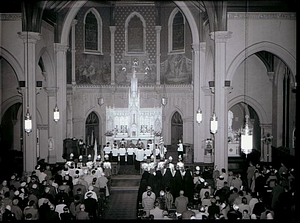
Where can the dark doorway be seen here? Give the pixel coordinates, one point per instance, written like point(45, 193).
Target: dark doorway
point(176, 129)
point(91, 130)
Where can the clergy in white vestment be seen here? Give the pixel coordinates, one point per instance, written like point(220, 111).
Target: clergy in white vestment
point(180, 148)
point(148, 152)
point(122, 155)
point(115, 153)
point(139, 157)
point(107, 150)
point(130, 155)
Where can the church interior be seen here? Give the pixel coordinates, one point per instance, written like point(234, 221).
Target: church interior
point(211, 84)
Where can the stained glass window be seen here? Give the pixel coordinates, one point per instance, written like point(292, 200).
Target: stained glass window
point(91, 32)
point(135, 35)
point(178, 32)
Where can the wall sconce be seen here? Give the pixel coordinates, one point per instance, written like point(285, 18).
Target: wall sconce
point(28, 122)
point(56, 113)
point(211, 85)
point(214, 124)
point(199, 116)
point(246, 138)
point(164, 100)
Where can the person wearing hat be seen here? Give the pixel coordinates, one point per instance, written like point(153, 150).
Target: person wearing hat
point(82, 214)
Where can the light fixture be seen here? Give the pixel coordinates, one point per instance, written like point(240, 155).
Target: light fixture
point(214, 124)
point(199, 116)
point(246, 134)
point(28, 122)
point(56, 113)
point(199, 112)
point(246, 137)
point(164, 99)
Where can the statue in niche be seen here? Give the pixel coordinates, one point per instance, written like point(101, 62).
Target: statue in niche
point(231, 135)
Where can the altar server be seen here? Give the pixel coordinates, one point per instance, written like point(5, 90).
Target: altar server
point(180, 148)
point(115, 153)
point(130, 154)
point(107, 150)
point(139, 156)
point(122, 154)
point(148, 152)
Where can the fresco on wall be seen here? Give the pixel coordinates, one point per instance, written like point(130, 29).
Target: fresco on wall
point(145, 72)
point(92, 73)
point(176, 69)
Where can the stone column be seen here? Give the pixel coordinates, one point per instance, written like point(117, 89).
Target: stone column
point(221, 110)
point(30, 151)
point(198, 67)
point(158, 29)
point(112, 53)
point(52, 125)
point(73, 51)
point(61, 74)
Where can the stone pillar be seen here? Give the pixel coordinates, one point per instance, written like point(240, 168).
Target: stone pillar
point(61, 76)
point(73, 51)
point(198, 67)
point(221, 110)
point(30, 151)
point(158, 29)
point(112, 53)
point(52, 125)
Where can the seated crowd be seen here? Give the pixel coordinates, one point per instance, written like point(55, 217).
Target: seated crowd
point(76, 191)
point(170, 191)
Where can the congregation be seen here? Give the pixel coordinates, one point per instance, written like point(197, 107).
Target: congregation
point(175, 192)
point(167, 190)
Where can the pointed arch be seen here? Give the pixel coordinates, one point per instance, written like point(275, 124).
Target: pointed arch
point(176, 13)
point(127, 26)
point(98, 40)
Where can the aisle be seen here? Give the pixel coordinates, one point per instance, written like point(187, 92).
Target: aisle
point(122, 203)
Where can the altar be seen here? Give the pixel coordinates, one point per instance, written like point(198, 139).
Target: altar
point(133, 122)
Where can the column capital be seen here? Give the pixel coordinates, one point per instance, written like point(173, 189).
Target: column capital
point(74, 22)
point(51, 91)
point(158, 29)
point(199, 47)
point(58, 47)
point(30, 37)
point(220, 36)
point(112, 29)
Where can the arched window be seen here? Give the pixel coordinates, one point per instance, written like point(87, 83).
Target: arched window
point(92, 32)
point(176, 32)
point(135, 34)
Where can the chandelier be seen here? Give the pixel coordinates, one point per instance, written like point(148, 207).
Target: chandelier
point(246, 137)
